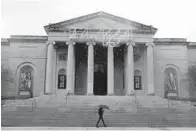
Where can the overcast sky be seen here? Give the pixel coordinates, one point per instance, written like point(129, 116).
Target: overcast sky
point(173, 18)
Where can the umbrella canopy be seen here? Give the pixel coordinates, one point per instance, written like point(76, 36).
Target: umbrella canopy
point(104, 107)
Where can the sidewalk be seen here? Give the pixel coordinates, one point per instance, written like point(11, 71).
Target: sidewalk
point(91, 128)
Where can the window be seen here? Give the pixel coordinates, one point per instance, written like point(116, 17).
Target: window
point(62, 82)
point(137, 83)
point(62, 56)
point(62, 79)
point(137, 80)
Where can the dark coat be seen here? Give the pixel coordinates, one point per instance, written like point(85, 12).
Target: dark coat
point(101, 112)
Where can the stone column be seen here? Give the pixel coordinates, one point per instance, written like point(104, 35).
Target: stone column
point(110, 71)
point(70, 67)
point(90, 75)
point(130, 67)
point(55, 75)
point(150, 69)
point(49, 68)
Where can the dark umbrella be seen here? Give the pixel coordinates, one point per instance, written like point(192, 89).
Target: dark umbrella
point(104, 107)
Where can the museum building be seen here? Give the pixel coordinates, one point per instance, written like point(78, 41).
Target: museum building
point(97, 54)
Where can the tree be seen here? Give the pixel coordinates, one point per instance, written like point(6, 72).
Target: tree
point(6, 74)
point(7, 77)
point(192, 79)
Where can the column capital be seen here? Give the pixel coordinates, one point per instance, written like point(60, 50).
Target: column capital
point(70, 42)
point(150, 44)
point(91, 43)
point(50, 42)
point(55, 46)
point(110, 44)
point(130, 42)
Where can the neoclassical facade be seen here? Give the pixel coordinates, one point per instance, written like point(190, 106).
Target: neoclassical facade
point(97, 54)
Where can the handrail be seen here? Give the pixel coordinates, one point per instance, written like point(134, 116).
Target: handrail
point(66, 96)
point(154, 103)
point(170, 100)
point(132, 93)
point(136, 100)
point(34, 103)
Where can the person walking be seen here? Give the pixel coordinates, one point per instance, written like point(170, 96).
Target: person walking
point(100, 112)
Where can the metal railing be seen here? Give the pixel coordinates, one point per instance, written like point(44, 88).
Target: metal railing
point(170, 102)
point(34, 103)
point(66, 96)
point(135, 98)
point(31, 104)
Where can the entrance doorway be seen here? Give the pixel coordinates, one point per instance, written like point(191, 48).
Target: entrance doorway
point(100, 70)
point(100, 83)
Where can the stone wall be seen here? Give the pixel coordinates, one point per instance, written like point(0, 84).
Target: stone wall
point(174, 56)
point(18, 52)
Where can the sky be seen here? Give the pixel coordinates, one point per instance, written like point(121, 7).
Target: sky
point(173, 18)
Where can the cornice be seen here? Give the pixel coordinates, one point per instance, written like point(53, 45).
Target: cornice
point(5, 41)
point(192, 45)
point(24, 38)
point(170, 41)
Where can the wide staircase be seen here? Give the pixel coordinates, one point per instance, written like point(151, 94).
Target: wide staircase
point(81, 111)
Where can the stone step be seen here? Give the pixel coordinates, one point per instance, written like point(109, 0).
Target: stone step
point(82, 111)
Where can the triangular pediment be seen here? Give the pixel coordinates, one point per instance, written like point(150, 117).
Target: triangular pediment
point(99, 20)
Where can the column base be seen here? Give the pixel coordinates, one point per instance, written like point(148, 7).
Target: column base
point(71, 94)
point(48, 93)
point(90, 94)
point(110, 94)
point(151, 94)
point(130, 94)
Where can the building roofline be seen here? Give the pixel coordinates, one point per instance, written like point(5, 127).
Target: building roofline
point(171, 41)
point(27, 38)
point(192, 45)
point(69, 21)
point(5, 41)
point(174, 41)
